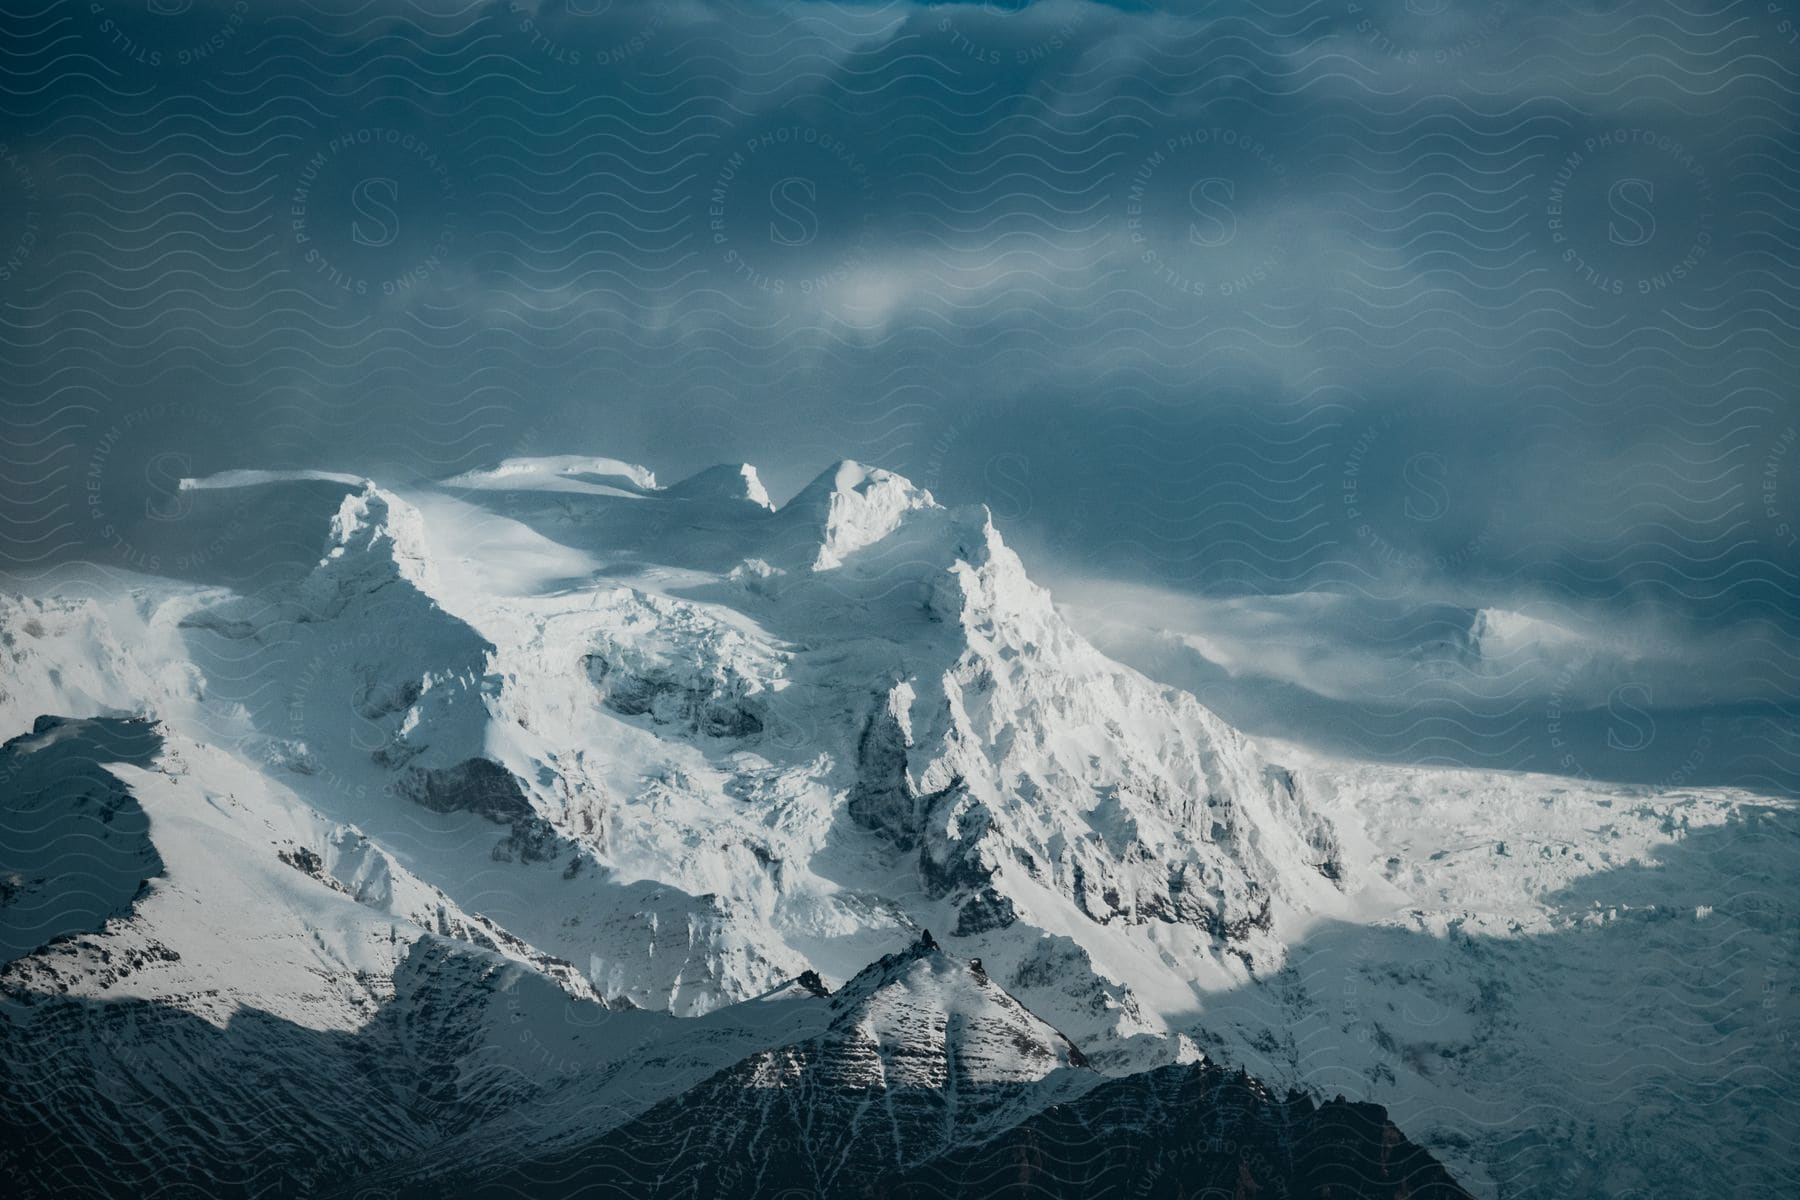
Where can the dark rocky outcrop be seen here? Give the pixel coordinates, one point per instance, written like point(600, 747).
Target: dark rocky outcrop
point(716, 705)
point(481, 786)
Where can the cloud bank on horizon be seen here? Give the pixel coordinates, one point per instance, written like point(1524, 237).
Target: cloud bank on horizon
point(1426, 307)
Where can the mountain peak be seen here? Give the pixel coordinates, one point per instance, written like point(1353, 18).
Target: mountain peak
point(847, 477)
point(921, 1011)
point(370, 518)
point(850, 506)
point(889, 966)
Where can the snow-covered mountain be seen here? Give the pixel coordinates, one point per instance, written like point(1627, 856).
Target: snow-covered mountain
point(544, 804)
point(735, 743)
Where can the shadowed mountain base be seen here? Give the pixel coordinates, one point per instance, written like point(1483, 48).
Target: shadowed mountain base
point(1181, 1131)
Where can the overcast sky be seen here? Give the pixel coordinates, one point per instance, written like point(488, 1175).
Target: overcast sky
point(1322, 326)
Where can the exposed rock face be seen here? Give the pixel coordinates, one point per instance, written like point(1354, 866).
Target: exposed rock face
point(712, 702)
point(487, 789)
point(474, 785)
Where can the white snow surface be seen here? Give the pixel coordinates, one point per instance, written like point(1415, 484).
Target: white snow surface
point(559, 473)
point(248, 478)
point(672, 747)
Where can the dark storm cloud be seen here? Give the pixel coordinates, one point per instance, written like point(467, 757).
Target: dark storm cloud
point(1414, 302)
